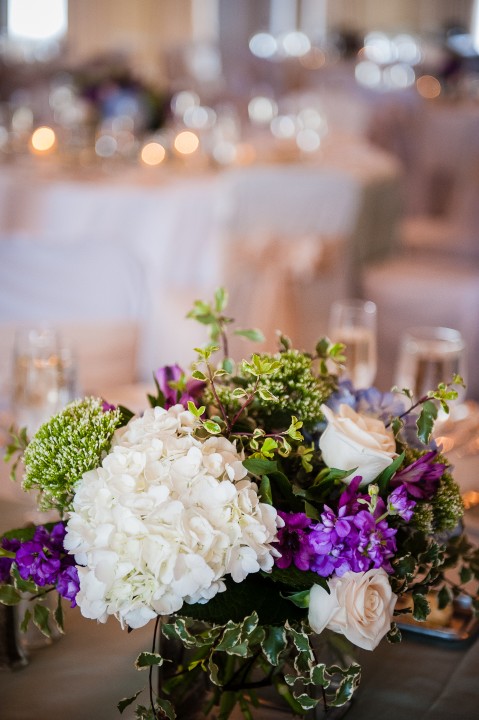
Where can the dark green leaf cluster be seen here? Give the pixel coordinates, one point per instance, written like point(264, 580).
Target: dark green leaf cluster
point(66, 446)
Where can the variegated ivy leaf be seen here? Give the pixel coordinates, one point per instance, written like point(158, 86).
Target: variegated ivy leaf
point(126, 702)
point(274, 643)
point(266, 395)
point(9, 596)
point(347, 686)
point(26, 621)
point(300, 639)
point(145, 660)
point(41, 616)
point(425, 421)
point(181, 629)
point(212, 427)
point(318, 676)
point(306, 702)
point(214, 672)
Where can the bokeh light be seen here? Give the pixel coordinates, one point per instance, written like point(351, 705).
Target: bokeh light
point(428, 87)
point(153, 153)
point(186, 142)
point(43, 139)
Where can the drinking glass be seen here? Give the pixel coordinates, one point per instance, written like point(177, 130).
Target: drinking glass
point(428, 356)
point(353, 322)
point(44, 376)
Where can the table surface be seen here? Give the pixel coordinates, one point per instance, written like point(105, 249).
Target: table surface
point(86, 672)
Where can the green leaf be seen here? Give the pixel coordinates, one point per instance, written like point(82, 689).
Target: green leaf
point(125, 415)
point(444, 597)
point(8, 595)
point(228, 365)
point(425, 421)
point(306, 702)
point(297, 579)
point(300, 599)
point(26, 621)
point(123, 704)
point(27, 586)
point(266, 395)
point(238, 393)
point(167, 708)
point(465, 574)
point(198, 375)
point(274, 643)
point(257, 466)
point(212, 427)
point(221, 299)
point(58, 615)
point(41, 616)
point(385, 476)
point(421, 607)
point(147, 660)
point(265, 490)
point(394, 634)
point(251, 334)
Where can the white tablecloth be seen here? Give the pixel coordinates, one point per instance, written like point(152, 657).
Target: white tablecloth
point(191, 231)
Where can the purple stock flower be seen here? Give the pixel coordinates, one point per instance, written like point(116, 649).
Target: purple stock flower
point(107, 407)
point(294, 541)
point(43, 560)
point(68, 583)
point(354, 538)
point(173, 374)
point(422, 477)
point(5, 562)
point(400, 504)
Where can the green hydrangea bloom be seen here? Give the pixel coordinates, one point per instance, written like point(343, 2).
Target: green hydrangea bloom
point(68, 445)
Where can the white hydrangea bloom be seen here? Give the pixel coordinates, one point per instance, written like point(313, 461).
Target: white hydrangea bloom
point(164, 519)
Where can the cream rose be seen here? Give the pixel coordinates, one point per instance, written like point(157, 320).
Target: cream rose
point(360, 606)
point(357, 441)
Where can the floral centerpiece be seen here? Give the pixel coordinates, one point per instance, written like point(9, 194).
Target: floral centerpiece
point(253, 508)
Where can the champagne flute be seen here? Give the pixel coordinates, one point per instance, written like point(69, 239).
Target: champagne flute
point(429, 356)
point(353, 322)
point(44, 376)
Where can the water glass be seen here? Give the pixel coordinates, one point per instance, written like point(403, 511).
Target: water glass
point(429, 356)
point(354, 323)
point(44, 376)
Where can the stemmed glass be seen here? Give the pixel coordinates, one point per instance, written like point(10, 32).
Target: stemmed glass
point(354, 323)
point(44, 377)
point(429, 356)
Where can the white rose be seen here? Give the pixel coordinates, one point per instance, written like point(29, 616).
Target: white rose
point(360, 606)
point(357, 441)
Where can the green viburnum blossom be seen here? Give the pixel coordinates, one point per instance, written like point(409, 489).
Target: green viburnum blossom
point(447, 504)
point(299, 390)
point(295, 388)
point(68, 445)
point(423, 518)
